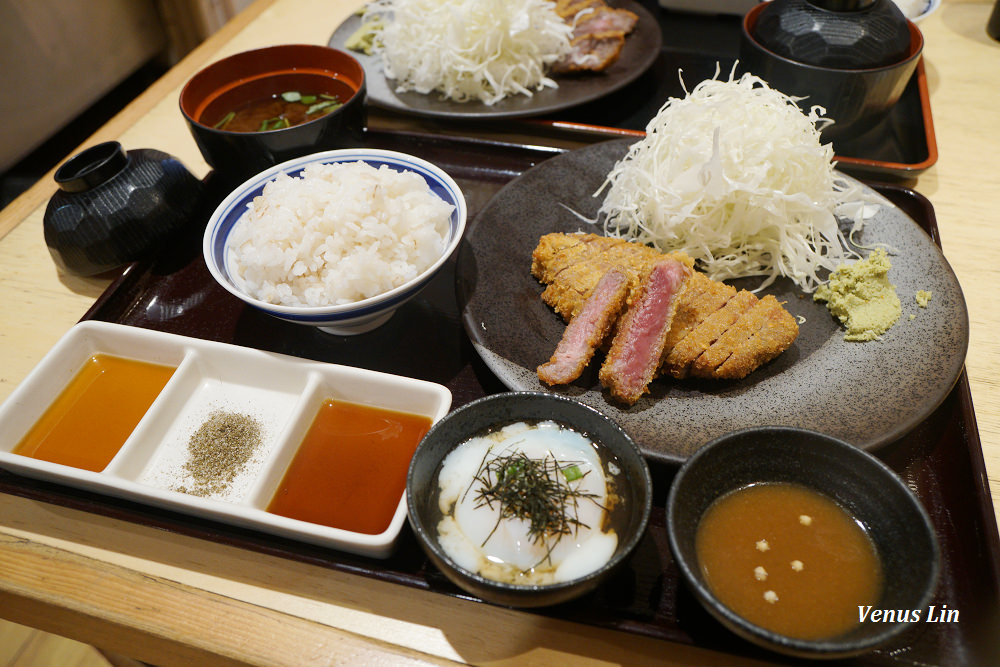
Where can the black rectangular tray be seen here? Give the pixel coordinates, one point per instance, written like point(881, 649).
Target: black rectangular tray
point(941, 459)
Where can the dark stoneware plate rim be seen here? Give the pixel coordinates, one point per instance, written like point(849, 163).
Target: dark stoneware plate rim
point(640, 51)
point(869, 394)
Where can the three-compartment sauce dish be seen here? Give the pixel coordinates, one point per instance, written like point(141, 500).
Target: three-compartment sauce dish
point(302, 449)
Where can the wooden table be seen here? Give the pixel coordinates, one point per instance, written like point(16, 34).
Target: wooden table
point(171, 599)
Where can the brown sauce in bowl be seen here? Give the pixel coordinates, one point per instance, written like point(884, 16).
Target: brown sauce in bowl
point(788, 559)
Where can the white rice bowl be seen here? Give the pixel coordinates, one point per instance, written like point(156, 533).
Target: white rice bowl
point(917, 9)
point(337, 234)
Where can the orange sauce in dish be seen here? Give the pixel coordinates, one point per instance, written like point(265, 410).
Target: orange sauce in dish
point(350, 470)
point(95, 414)
point(788, 559)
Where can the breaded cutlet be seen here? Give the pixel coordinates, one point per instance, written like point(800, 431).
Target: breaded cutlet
point(777, 332)
point(679, 360)
point(572, 264)
point(702, 297)
point(715, 331)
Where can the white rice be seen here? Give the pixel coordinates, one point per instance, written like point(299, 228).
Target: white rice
point(337, 234)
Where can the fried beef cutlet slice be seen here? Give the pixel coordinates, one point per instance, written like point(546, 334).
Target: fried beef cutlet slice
point(557, 252)
point(764, 332)
point(636, 349)
point(737, 334)
point(568, 9)
point(587, 330)
point(599, 20)
point(591, 52)
point(598, 37)
point(702, 297)
point(679, 360)
point(570, 265)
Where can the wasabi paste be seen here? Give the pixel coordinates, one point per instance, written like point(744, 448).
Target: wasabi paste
point(862, 298)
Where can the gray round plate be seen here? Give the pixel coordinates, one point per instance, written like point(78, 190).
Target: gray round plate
point(868, 394)
point(640, 51)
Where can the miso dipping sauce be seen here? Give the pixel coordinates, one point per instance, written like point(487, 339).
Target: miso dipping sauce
point(95, 414)
point(788, 559)
point(350, 470)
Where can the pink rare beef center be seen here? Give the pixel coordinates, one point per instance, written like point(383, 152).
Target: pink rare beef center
point(636, 349)
point(587, 330)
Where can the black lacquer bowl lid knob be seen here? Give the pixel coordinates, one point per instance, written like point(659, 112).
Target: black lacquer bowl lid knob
point(92, 167)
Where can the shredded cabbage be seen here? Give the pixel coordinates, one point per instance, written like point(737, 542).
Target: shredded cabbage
point(735, 175)
point(469, 49)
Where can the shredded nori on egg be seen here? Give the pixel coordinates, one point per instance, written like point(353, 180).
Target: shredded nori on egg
point(535, 490)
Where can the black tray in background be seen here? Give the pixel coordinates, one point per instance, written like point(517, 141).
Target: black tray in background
point(900, 147)
point(897, 149)
point(941, 459)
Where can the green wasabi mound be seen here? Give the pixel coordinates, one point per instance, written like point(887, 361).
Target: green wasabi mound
point(862, 298)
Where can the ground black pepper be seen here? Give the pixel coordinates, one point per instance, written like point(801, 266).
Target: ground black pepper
point(219, 449)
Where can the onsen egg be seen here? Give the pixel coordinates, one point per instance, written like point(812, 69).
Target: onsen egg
point(478, 538)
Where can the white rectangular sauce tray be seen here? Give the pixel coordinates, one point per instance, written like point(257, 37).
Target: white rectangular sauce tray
point(282, 393)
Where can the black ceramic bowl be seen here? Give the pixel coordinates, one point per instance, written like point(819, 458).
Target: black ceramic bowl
point(229, 84)
point(115, 206)
point(632, 483)
point(856, 99)
point(858, 482)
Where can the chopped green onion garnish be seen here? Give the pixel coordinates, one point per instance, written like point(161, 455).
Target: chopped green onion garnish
point(572, 473)
point(225, 120)
point(308, 99)
point(325, 107)
point(291, 96)
point(275, 123)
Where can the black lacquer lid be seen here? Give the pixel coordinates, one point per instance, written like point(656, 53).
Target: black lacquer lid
point(842, 34)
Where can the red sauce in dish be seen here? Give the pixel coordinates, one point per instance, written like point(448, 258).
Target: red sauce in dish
point(350, 470)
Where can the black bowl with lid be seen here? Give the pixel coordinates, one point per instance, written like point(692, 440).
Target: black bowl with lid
point(852, 65)
point(114, 207)
point(842, 34)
